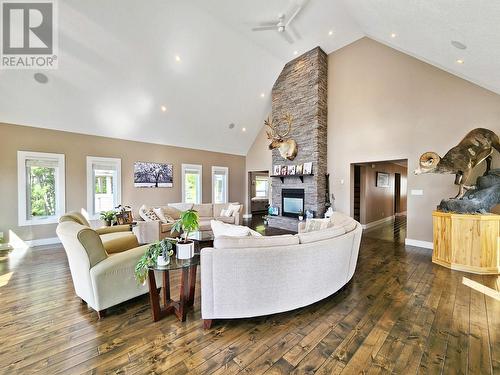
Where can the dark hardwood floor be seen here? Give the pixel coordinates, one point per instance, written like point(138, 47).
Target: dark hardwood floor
point(400, 314)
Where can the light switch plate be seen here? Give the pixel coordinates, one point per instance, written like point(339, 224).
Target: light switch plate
point(417, 192)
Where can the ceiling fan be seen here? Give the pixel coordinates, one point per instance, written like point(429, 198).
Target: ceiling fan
point(281, 24)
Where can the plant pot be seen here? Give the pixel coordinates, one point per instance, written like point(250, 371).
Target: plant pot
point(185, 250)
point(108, 223)
point(161, 261)
point(301, 218)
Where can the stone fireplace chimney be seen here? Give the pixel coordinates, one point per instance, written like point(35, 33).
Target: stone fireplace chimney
point(301, 90)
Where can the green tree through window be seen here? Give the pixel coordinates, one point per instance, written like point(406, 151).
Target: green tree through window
point(42, 191)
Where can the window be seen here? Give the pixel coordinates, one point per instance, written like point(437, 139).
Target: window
point(103, 185)
point(261, 187)
point(191, 183)
point(41, 187)
point(220, 184)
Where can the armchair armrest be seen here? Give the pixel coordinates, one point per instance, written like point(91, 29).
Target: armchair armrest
point(114, 229)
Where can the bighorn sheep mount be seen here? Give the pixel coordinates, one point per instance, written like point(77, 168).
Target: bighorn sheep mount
point(477, 146)
point(287, 147)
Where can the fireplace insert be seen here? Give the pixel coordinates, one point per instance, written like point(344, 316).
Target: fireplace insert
point(292, 202)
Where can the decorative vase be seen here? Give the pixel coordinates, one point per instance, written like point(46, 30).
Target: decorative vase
point(185, 250)
point(161, 261)
point(301, 217)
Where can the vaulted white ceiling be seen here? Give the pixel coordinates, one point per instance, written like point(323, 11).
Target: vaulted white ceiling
point(118, 67)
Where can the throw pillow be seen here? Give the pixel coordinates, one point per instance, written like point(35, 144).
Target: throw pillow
point(234, 208)
point(222, 229)
point(225, 213)
point(148, 214)
point(163, 216)
point(317, 224)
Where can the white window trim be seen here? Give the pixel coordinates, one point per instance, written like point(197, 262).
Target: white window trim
point(22, 193)
point(199, 194)
point(90, 183)
point(226, 190)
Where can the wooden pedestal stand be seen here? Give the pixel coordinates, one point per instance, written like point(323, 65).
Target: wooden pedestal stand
point(469, 243)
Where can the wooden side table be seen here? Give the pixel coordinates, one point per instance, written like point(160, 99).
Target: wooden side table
point(188, 268)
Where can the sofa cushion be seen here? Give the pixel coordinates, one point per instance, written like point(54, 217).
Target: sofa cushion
point(226, 219)
point(227, 242)
point(204, 210)
point(119, 241)
point(222, 229)
point(317, 224)
point(181, 206)
point(234, 208)
point(163, 215)
point(173, 212)
point(320, 235)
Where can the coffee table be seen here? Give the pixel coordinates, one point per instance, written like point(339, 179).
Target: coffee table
point(202, 238)
point(188, 283)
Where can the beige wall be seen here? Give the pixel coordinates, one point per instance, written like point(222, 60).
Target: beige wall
point(77, 147)
point(385, 105)
point(378, 202)
point(259, 158)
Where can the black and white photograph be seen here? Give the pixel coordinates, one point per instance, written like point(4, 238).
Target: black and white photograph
point(291, 170)
point(308, 168)
point(382, 180)
point(153, 175)
point(299, 169)
point(284, 170)
point(277, 170)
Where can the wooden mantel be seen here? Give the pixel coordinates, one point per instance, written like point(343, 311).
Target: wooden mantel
point(469, 243)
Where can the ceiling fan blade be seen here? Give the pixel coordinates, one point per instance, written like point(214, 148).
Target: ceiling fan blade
point(287, 37)
point(264, 28)
point(295, 32)
point(295, 13)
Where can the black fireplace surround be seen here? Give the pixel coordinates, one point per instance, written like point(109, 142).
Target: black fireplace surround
point(292, 202)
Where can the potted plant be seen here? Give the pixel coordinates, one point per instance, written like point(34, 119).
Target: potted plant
point(157, 254)
point(109, 217)
point(301, 215)
point(187, 223)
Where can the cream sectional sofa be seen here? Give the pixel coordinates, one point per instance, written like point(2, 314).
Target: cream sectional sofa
point(252, 276)
point(152, 231)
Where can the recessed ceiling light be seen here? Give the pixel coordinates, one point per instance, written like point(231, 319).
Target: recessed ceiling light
point(457, 44)
point(231, 125)
point(295, 52)
point(460, 61)
point(244, 129)
point(330, 32)
point(177, 58)
point(163, 108)
point(393, 35)
point(41, 78)
point(262, 95)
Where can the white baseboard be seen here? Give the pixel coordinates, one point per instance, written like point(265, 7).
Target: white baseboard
point(418, 243)
point(378, 222)
point(43, 241)
point(247, 216)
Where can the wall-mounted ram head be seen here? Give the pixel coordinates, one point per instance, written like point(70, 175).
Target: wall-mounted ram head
point(287, 147)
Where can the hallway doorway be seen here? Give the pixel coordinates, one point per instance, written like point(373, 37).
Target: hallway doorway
point(378, 198)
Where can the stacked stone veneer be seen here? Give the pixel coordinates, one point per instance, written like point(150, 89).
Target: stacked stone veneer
point(301, 90)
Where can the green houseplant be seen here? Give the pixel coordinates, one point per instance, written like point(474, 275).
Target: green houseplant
point(109, 217)
point(187, 223)
point(157, 254)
